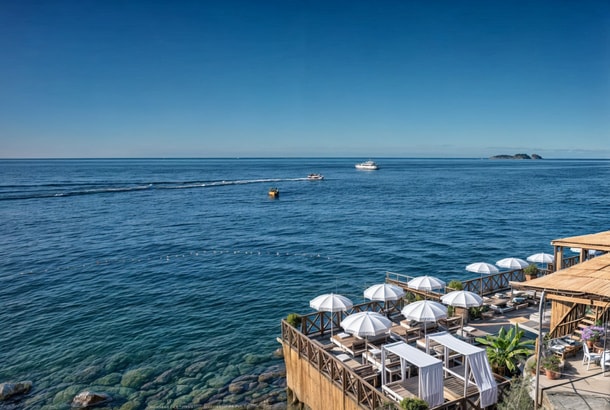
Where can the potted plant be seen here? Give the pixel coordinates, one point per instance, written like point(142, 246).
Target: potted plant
point(551, 366)
point(531, 272)
point(591, 334)
point(413, 403)
point(506, 350)
point(455, 285)
point(294, 320)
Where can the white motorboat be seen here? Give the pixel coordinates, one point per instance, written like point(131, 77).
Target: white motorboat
point(368, 165)
point(315, 177)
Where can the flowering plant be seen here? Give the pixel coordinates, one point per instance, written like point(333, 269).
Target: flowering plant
point(592, 333)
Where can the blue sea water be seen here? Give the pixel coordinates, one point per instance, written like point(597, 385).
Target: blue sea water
point(163, 281)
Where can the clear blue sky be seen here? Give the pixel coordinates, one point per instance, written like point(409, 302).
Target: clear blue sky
point(304, 78)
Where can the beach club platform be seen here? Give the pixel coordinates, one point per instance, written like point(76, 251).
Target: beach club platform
point(443, 363)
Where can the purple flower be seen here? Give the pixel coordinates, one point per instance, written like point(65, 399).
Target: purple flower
point(592, 333)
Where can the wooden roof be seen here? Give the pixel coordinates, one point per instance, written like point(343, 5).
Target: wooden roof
point(598, 241)
point(590, 279)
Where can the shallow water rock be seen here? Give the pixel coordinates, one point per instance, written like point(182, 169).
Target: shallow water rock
point(202, 396)
point(219, 381)
point(137, 377)
point(195, 368)
point(88, 374)
point(111, 379)
point(131, 405)
point(236, 388)
point(13, 389)
point(245, 378)
point(268, 377)
point(88, 399)
point(254, 358)
point(182, 402)
point(165, 377)
point(183, 389)
point(118, 362)
point(64, 396)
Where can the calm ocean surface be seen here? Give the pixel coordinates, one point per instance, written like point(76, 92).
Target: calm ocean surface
point(162, 282)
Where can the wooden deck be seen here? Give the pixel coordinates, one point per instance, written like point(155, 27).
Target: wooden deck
point(454, 388)
point(404, 388)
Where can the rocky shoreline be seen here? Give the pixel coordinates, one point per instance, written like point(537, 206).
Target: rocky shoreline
point(143, 389)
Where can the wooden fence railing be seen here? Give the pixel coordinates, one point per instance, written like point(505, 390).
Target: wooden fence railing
point(353, 386)
point(319, 323)
point(485, 284)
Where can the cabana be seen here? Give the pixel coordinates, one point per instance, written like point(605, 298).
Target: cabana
point(427, 385)
point(475, 369)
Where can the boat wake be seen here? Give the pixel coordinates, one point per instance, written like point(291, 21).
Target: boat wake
point(8, 193)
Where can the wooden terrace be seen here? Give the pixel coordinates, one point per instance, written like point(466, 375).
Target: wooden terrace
point(579, 288)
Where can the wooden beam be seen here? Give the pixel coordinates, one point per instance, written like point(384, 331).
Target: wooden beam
point(579, 300)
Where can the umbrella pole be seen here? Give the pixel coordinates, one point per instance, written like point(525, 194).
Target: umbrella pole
point(366, 349)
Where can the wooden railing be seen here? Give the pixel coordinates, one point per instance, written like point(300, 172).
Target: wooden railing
point(353, 386)
point(486, 284)
point(319, 323)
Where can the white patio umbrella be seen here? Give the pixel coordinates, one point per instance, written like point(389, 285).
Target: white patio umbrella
point(541, 258)
point(462, 298)
point(512, 263)
point(590, 252)
point(425, 311)
point(425, 283)
point(482, 267)
point(384, 292)
point(365, 324)
point(331, 302)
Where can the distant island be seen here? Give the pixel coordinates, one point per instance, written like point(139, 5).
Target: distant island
point(516, 156)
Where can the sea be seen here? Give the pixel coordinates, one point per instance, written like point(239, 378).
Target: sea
point(162, 282)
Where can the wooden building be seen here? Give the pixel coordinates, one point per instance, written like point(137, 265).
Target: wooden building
point(579, 294)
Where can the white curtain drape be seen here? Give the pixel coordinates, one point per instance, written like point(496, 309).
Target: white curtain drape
point(484, 379)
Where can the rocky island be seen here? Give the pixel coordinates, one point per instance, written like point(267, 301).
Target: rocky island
point(516, 156)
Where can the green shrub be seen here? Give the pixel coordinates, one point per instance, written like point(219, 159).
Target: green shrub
point(294, 320)
point(410, 297)
point(518, 398)
point(551, 362)
point(450, 311)
point(411, 403)
point(531, 270)
point(455, 285)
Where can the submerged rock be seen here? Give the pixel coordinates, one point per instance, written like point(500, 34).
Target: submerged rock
point(87, 399)
point(13, 389)
point(137, 377)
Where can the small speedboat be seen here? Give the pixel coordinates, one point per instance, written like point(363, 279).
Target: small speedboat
point(315, 177)
point(274, 192)
point(368, 165)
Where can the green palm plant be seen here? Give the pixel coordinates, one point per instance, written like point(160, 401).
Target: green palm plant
point(506, 350)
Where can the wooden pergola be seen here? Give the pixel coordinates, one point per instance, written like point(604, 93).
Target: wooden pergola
point(593, 242)
point(577, 291)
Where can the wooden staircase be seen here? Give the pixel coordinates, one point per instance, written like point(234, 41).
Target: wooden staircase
point(586, 321)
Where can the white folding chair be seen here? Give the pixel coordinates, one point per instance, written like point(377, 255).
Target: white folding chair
point(588, 356)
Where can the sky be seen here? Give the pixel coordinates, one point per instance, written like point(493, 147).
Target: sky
point(287, 78)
